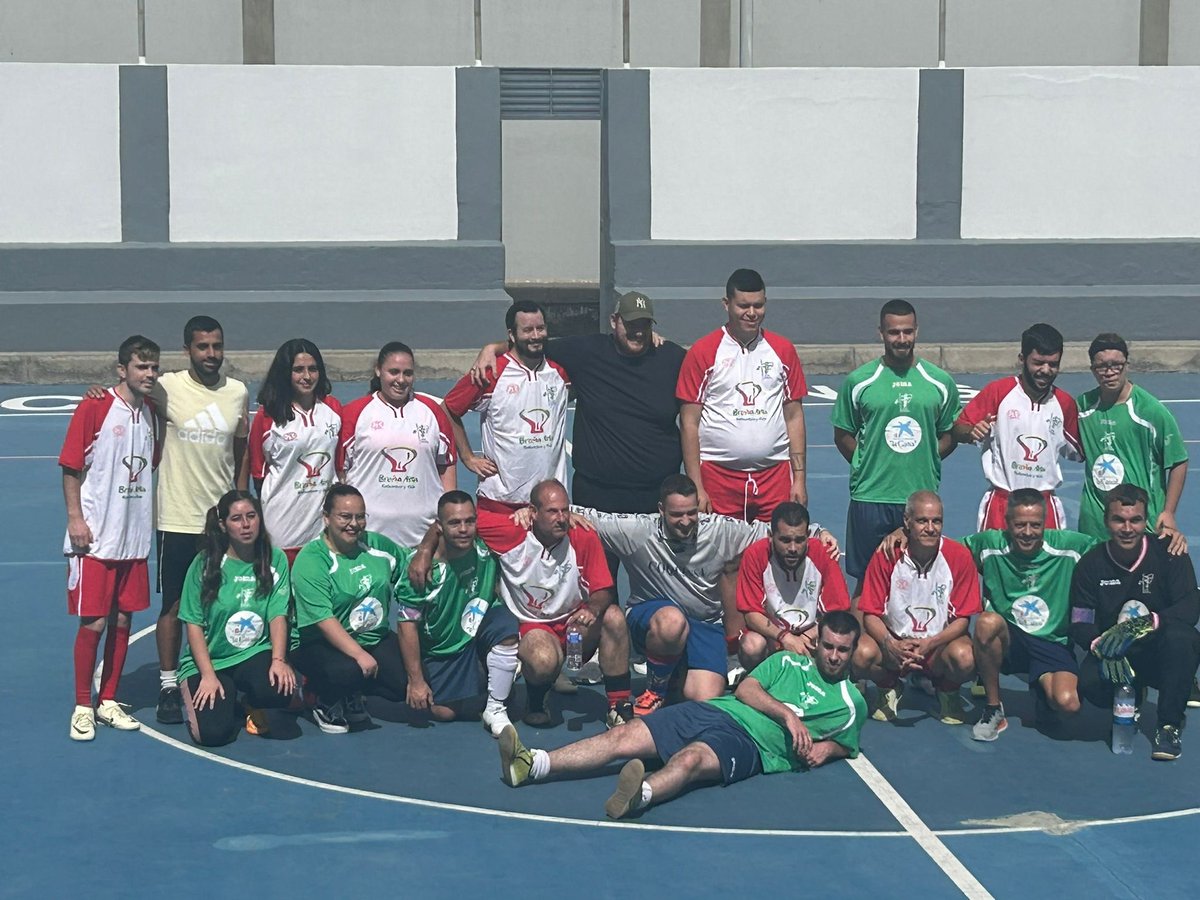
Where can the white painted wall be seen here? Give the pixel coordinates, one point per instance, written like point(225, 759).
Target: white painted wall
point(1081, 153)
point(262, 153)
point(60, 166)
point(783, 154)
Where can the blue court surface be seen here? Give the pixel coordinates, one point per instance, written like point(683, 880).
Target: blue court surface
point(421, 812)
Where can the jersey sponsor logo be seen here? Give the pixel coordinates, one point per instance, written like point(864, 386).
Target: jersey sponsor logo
point(1110, 582)
point(903, 434)
point(1145, 581)
point(1033, 446)
point(1014, 414)
point(400, 458)
point(290, 436)
point(366, 616)
point(473, 615)
point(536, 419)
point(920, 617)
point(536, 596)
point(749, 391)
point(796, 617)
point(118, 431)
point(135, 465)
point(207, 427)
point(1107, 472)
point(313, 462)
point(377, 425)
point(243, 629)
point(1132, 609)
point(1031, 613)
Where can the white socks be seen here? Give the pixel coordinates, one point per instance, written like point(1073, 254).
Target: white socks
point(541, 764)
point(501, 671)
point(647, 796)
point(168, 678)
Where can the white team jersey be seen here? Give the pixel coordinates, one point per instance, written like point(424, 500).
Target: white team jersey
point(1027, 438)
point(392, 456)
point(741, 392)
point(523, 421)
point(916, 603)
point(114, 445)
point(794, 598)
point(688, 573)
point(295, 461)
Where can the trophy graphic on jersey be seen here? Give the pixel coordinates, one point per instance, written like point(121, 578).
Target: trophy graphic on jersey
point(749, 391)
point(400, 457)
point(536, 419)
point(1032, 445)
point(920, 617)
point(313, 462)
point(135, 464)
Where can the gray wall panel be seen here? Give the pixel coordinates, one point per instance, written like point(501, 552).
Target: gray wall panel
point(665, 33)
point(69, 31)
point(1043, 32)
point(567, 33)
point(846, 32)
point(1184, 46)
point(480, 173)
point(145, 164)
point(939, 154)
point(193, 31)
point(375, 32)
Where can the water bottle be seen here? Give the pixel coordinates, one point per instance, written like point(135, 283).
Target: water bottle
point(574, 659)
point(1124, 711)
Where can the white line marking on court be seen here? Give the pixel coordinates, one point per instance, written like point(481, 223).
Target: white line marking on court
point(921, 833)
point(28, 457)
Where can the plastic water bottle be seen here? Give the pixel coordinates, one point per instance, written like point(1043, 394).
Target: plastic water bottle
point(1124, 711)
point(574, 659)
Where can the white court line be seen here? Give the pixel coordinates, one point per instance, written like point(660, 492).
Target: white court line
point(921, 833)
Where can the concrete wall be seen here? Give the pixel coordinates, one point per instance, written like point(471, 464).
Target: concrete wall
point(1184, 40)
point(578, 33)
point(1043, 32)
point(193, 31)
point(69, 31)
point(375, 32)
point(846, 32)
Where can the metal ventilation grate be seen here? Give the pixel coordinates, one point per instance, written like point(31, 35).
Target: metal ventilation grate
point(550, 93)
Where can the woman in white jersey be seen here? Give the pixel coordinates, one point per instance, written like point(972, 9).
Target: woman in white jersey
point(397, 448)
point(293, 442)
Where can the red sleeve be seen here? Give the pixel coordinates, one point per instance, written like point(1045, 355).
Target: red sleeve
point(964, 596)
point(589, 554)
point(85, 425)
point(465, 394)
point(1070, 419)
point(877, 584)
point(499, 533)
point(697, 366)
point(833, 584)
point(986, 402)
point(445, 432)
point(797, 387)
point(562, 373)
point(333, 403)
point(259, 429)
point(750, 590)
point(350, 414)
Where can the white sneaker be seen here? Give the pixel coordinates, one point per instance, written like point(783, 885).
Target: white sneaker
point(110, 713)
point(83, 724)
point(495, 718)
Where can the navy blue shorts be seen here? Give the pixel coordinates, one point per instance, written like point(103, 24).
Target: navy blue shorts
point(705, 647)
point(1036, 655)
point(694, 721)
point(866, 525)
point(462, 675)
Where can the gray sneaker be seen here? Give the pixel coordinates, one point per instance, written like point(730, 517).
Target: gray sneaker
point(990, 725)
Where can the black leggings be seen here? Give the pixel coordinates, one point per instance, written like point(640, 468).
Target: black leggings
point(1165, 659)
point(334, 676)
point(220, 725)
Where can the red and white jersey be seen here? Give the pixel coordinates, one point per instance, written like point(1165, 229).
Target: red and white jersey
point(523, 420)
point(116, 447)
point(392, 456)
point(295, 462)
point(741, 392)
point(546, 585)
point(1027, 438)
point(919, 603)
point(792, 599)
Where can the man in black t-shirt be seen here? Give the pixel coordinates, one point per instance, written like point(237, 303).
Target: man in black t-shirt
point(1133, 603)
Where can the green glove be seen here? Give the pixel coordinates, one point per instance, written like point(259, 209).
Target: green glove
point(1118, 670)
point(1117, 640)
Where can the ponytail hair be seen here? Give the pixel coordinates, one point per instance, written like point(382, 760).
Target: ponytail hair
point(216, 545)
point(387, 350)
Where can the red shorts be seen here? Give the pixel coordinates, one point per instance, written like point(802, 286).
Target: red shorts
point(558, 629)
point(994, 506)
point(95, 587)
point(746, 495)
point(497, 512)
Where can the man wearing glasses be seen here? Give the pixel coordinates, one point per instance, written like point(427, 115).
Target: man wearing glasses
point(1128, 436)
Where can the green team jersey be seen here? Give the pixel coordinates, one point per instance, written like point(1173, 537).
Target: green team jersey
point(1137, 441)
point(1031, 592)
point(831, 711)
point(459, 594)
point(896, 416)
point(356, 589)
point(237, 624)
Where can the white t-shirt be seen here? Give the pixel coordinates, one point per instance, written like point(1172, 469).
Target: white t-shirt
point(916, 603)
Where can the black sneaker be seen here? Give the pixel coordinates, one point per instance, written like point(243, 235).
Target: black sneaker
point(170, 706)
point(1194, 696)
point(331, 719)
point(620, 713)
point(1167, 745)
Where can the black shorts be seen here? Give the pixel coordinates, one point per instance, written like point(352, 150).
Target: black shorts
point(175, 554)
point(613, 498)
point(694, 721)
point(866, 525)
point(1036, 655)
point(462, 675)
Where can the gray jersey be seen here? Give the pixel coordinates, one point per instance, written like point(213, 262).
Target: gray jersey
point(686, 572)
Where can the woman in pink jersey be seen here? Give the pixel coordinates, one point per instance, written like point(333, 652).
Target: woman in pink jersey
point(293, 442)
point(397, 448)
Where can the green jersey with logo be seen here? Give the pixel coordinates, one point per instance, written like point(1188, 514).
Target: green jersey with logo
point(1137, 441)
point(896, 416)
point(237, 623)
point(1031, 592)
point(355, 589)
point(459, 594)
point(830, 711)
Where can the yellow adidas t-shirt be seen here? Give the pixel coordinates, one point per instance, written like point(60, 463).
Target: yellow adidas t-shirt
point(197, 457)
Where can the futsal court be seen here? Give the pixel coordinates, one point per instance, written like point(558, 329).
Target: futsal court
point(413, 811)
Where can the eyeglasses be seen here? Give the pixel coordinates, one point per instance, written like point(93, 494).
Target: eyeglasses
point(347, 518)
point(1108, 367)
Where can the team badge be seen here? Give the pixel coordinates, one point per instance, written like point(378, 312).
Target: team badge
point(1107, 472)
point(473, 615)
point(244, 629)
point(1132, 609)
point(903, 434)
point(366, 616)
point(1031, 613)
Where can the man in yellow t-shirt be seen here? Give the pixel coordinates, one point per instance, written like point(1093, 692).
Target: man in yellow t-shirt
point(207, 421)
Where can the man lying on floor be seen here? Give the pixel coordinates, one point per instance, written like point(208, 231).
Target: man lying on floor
point(792, 712)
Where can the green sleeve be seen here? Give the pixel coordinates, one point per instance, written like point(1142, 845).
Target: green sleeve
point(951, 408)
point(398, 553)
point(1171, 447)
point(405, 594)
point(191, 609)
point(767, 672)
point(313, 591)
point(845, 416)
point(281, 594)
